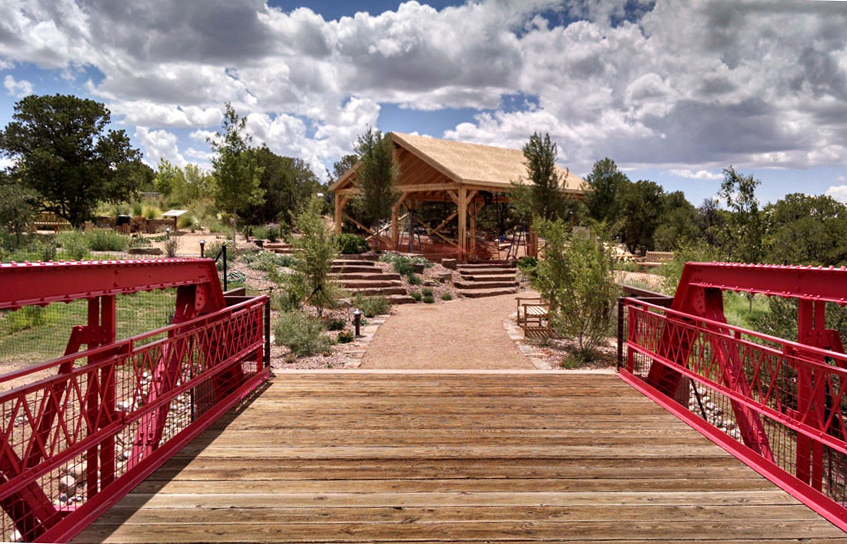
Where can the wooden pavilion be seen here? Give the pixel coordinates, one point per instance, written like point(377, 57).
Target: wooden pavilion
point(435, 170)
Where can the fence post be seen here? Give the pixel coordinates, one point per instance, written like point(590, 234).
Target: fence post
point(268, 333)
point(223, 250)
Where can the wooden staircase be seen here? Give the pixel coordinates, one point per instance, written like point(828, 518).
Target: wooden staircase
point(279, 247)
point(487, 279)
point(360, 274)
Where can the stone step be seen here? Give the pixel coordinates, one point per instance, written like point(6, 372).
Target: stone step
point(373, 291)
point(486, 271)
point(401, 299)
point(479, 293)
point(282, 251)
point(489, 264)
point(365, 284)
point(492, 278)
point(354, 262)
point(360, 257)
point(365, 276)
point(461, 285)
point(276, 245)
point(354, 269)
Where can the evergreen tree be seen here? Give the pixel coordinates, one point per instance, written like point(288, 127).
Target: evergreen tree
point(376, 178)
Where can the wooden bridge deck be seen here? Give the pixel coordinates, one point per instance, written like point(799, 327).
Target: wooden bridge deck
point(440, 457)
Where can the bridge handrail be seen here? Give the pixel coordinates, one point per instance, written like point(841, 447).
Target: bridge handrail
point(74, 423)
point(780, 408)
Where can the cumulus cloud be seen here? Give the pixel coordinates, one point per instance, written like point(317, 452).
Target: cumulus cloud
point(699, 174)
point(157, 145)
point(18, 89)
point(687, 86)
point(838, 192)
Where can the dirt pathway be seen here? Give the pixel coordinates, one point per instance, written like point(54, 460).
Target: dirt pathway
point(463, 334)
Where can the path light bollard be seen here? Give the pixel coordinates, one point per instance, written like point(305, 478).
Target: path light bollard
point(357, 320)
point(202, 248)
point(168, 233)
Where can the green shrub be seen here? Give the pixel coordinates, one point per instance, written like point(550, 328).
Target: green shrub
point(428, 299)
point(350, 244)
point(107, 240)
point(137, 210)
point(171, 247)
point(302, 334)
point(416, 295)
point(151, 212)
point(446, 296)
point(188, 221)
point(427, 291)
point(414, 279)
point(27, 317)
point(335, 325)
point(266, 261)
point(373, 306)
point(74, 244)
point(529, 266)
point(345, 337)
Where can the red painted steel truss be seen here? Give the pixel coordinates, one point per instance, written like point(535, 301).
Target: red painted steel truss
point(75, 442)
point(778, 405)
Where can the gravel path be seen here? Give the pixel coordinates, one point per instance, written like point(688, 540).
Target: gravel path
point(463, 334)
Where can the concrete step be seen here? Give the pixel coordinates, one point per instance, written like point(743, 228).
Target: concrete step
point(366, 284)
point(373, 291)
point(461, 285)
point(485, 271)
point(492, 278)
point(479, 293)
point(365, 276)
point(354, 269)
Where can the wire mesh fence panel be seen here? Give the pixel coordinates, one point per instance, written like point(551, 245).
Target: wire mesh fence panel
point(783, 402)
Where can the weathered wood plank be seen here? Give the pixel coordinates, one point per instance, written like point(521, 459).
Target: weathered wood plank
point(368, 457)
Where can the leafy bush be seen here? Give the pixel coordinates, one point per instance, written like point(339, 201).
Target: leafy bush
point(335, 325)
point(137, 210)
point(350, 244)
point(345, 337)
point(427, 291)
point(188, 221)
point(446, 296)
point(414, 279)
point(27, 317)
point(529, 266)
point(151, 212)
point(302, 334)
point(266, 261)
point(428, 299)
point(416, 295)
point(672, 271)
point(107, 240)
point(372, 306)
point(576, 279)
point(74, 244)
point(404, 265)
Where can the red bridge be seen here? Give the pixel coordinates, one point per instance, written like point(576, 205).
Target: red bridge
point(354, 456)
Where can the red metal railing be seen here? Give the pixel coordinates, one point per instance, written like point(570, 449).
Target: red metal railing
point(77, 441)
point(779, 406)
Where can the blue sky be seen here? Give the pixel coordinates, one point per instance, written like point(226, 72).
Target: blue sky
point(672, 91)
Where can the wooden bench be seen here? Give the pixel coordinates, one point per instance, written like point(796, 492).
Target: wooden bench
point(533, 316)
point(653, 259)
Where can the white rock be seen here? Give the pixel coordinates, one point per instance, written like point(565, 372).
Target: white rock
point(67, 484)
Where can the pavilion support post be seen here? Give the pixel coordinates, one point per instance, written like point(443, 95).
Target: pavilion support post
point(395, 222)
point(463, 224)
point(532, 243)
point(340, 203)
point(475, 207)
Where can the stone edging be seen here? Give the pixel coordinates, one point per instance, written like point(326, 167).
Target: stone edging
point(354, 357)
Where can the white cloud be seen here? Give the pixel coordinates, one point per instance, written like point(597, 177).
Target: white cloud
point(157, 145)
point(699, 174)
point(692, 86)
point(18, 89)
point(838, 192)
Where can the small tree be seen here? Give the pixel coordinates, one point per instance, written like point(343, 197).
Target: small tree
point(16, 207)
point(314, 251)
point(544, 197)
point(742, 237)
point(63, 151)
point(607, 183)
point(376, 177)
point(576, 278)
point(237, 173)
